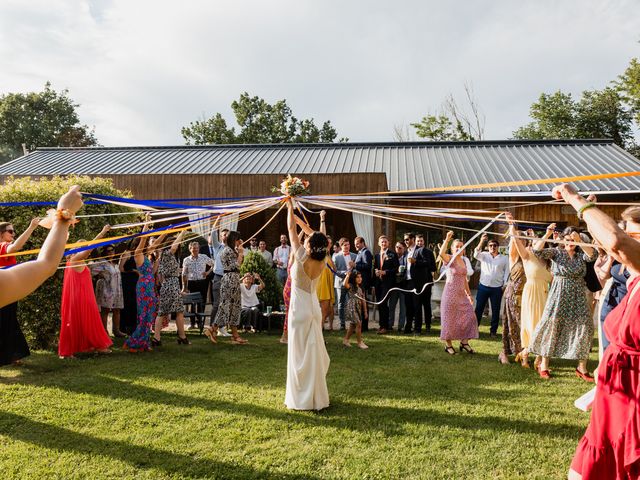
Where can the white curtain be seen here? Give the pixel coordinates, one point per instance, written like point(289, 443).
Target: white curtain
point(229, 221)
point(203, 228)
point(364, 228)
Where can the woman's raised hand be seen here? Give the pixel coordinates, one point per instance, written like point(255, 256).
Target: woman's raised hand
point(72, 200)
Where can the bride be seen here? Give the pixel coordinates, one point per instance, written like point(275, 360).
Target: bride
point(307, 360)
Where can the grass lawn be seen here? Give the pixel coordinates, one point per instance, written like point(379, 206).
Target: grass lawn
point(403, 409)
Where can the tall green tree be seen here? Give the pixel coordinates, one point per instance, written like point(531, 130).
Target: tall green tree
point(258, 122)
point(40, 119)
point(452, 122)
point(597, 114)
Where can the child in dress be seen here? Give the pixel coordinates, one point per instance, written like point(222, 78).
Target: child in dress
point(356, 308)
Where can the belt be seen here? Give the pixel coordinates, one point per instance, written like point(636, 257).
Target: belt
point(217, 275)
point(232, 271)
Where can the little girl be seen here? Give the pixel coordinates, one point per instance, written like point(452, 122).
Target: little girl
point(355, 309)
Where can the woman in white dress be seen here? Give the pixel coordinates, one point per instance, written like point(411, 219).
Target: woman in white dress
point(307, 359)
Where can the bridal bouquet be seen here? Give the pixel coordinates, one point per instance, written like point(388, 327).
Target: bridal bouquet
point(292, 187)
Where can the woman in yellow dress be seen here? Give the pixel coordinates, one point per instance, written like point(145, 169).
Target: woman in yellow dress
point(325, 290)
point(535, 291)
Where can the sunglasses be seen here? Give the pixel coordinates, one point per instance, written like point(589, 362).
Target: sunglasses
point(10, 231)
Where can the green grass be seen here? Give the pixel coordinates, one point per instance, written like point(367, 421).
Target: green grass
point(403, 409)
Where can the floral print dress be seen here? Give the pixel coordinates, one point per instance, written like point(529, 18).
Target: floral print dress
point(566, 327)
point(230, 297)
point(170, 298)
point(140, 339)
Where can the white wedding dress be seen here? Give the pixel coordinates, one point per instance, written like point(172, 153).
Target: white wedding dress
point(307, 359)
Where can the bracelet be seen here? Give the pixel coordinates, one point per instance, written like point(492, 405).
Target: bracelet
point(584, 207)
point(64, 214)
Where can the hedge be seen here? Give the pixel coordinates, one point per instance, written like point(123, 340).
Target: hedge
point(39, 313)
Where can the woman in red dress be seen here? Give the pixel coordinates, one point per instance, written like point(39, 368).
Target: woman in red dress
point(610, 448)
point(81, 329)
point(13, 345)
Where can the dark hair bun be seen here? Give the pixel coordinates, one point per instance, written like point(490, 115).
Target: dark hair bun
point(318, 245)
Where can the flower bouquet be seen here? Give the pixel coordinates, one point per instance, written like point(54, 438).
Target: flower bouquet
point(292, 187)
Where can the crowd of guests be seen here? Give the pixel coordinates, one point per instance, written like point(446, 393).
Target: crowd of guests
point(546, 296)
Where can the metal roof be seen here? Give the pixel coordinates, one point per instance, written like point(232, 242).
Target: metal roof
point(407, 165)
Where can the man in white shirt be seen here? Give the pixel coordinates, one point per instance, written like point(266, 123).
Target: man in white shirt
point(494, 274)
point(281, 259)
point(194, 275)
point(266, 254)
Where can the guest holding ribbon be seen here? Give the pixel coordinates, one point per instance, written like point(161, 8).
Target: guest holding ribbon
point(457, 318)
point(81, 329)
point(170, 298)
point(13, 345)
point(230, 299)
point(610, 448)
point(326, 292)
point(147, 301)
point(566, 327)
point(20, 280)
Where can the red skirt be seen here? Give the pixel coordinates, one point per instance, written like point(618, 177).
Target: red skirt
point(81, 329)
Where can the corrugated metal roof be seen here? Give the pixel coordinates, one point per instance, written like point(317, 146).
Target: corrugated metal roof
point(411, 165)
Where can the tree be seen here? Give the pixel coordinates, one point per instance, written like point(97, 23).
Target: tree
point(40, 119)
point(629, 86)
point(452, 122)
point(259, 122)
point(598, 114)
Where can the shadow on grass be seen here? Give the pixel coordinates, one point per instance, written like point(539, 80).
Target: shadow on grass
point(23, 429)
point(348, 415)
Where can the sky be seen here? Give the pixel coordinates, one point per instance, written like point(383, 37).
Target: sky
point(141, 69)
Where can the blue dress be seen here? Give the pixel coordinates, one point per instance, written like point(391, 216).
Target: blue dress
point(140, 339)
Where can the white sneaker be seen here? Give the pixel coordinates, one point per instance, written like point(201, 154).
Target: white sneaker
point(222, 332)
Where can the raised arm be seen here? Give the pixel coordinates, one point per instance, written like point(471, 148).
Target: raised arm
point(539, 244)
point(291, 226)
point(138, 255)
point(177, 242)
point(323, 224)
point(445, 247)
point(80, 257)
point(19, 242)
point(483, 241)
point(515, 243)
point(19, 281)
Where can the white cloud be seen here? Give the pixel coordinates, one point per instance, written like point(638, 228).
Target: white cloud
point(143, 69)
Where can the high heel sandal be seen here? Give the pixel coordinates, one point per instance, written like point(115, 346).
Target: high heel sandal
point(210, 335)
point(183, 341)
point(466, 347)
point(450, 350)
point(155, 343)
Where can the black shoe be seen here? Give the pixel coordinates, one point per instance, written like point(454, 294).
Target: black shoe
point(466, 347)
point(493, 335)
point(155, 343)
point(183, 341)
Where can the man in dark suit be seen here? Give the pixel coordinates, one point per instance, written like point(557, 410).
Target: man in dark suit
point(421, 265)
point(364, 265)
point(385, 269)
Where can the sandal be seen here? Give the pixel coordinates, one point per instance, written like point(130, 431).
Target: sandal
point(363, 346)
point(183, 341)
point(239, 341)
point(450, 350)
point(466, 347)
point(104, 351)
point(210, 335)
point(503, 358)
point(346, 343)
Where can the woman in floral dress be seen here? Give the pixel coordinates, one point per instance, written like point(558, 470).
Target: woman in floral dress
point(170, 298)
point(566, 327)
point(457, 317)
point(140, 339)
point(230, 307)
point(109, 293)
point(510, 311)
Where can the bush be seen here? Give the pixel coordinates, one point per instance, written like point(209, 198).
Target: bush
point(254, 263)
point(39, 313)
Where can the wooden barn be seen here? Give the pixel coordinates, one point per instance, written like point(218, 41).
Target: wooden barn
point(231, 171)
